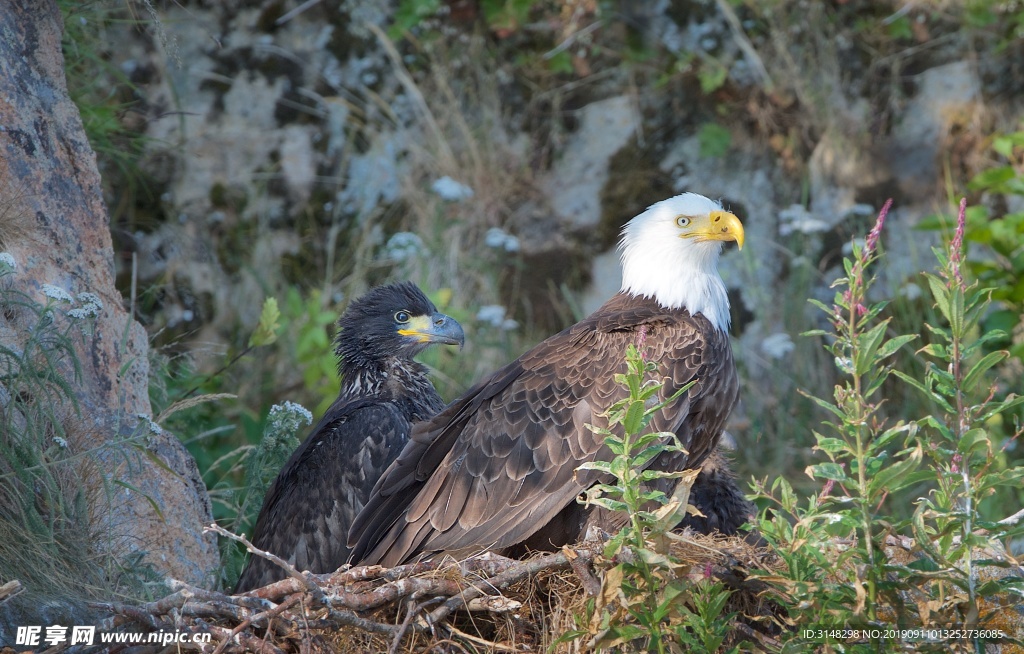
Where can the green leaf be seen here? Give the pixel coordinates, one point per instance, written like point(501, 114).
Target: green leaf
point(825, 405)
point(828, 470)
point(409, 14)
point(610, 504)
point(712, 75)
point(619, 634)
point(1009, 477)
point(993, 178)
point(714, 140)
point(831, 445)
point(599, 466)
point(934, 350)
point(974, 438)
point(922, 535)
point(938, 426)
point(640, 442)
point(560, 62)
point(956, 311)
point(972, 378)
point(883, 439)
point(620, 468)
point(897, 475)
point(912, 382)
point(940, 332)
point(940, 294)
point(869, 343)
point(1011, 402)
point(645, 456)
point(821, 305)
point(633, 421)
point(889, 347)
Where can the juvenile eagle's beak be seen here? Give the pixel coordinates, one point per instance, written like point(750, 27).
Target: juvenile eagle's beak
point(436, 328)
point(717, 226)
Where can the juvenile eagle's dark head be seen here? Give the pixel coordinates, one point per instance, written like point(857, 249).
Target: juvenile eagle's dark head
point(396, 320)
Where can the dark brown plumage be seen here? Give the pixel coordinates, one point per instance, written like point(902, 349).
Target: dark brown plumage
point(497, 468)
point(717, 496)
point(308, 509)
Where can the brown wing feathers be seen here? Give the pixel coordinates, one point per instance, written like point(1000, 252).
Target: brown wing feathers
point(496, 467)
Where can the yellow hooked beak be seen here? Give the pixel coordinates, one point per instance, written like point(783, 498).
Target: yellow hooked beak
point(437, 328)
point(715, 226)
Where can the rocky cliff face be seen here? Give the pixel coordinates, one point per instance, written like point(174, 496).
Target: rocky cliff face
point(311, 139)
point(147, 502)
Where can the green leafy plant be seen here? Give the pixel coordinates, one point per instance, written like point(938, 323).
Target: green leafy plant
point(308, 320)
point(644, 604)
point(714, 139)
point(410, 14)
point(962, 449)
point(840, 551)
point(994, 244)
point(100, 89)
point(632, 453)
point(706, 627)
point(861, 348)
point(51, 487)
point(1002, 270)
point(284, 425)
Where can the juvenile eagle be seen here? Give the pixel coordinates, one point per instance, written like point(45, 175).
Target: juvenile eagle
point(308, 509)
point(495, 469)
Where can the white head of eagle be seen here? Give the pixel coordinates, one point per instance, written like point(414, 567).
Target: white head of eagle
point(670, 253)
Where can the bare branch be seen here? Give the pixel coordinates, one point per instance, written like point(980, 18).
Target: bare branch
point(307, 583)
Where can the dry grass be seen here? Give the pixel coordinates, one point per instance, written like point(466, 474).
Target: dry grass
point(464, 133)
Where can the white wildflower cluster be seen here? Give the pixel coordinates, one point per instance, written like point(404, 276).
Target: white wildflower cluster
point(57, 293)
point(152, 426)
point(450, 190)
point(286, 419)
point(494, 315)
point(91, 306)
point(778, 345)
point(404, 246)
point(795, 218)
point(499, 239)
point(7, 262)
point(61, 442)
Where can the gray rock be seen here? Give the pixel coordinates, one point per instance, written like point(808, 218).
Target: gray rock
point(63, 240)
point(573, 186)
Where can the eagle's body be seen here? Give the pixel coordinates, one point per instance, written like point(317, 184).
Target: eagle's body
point(497, 468)
point(308, 509)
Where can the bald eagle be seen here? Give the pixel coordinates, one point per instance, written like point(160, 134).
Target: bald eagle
point(497, 468)
point(308, 509)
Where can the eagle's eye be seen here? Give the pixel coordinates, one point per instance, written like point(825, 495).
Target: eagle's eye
point(683, 221)
point(402, 317)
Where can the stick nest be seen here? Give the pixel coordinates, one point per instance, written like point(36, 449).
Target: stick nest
point(486, 603)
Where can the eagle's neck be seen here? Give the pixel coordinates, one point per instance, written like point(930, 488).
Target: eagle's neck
point(402, 381)
point(655, 269)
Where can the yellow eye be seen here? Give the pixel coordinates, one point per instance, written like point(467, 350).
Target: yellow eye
point(683, 221)
point(402, 317)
